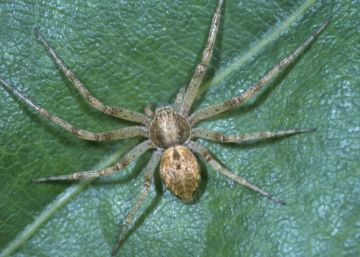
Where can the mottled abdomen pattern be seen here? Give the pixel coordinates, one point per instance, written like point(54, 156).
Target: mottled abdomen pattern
point(180, 172)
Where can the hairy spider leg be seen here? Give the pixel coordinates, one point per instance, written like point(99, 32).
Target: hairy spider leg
point(223, 138)
point(117, 112)
point(234, 102)
point(132, 131)
point(149, 174)
point(204, 153)
point(178, 99)
point(200, 70)
point(130, 156)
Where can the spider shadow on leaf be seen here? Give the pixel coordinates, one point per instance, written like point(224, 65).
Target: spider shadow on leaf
point(142, 217)
point(148, 210)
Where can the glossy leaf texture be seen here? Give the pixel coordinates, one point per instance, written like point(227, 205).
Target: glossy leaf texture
point(130, 53)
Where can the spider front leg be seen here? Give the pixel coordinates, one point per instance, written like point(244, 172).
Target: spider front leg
point(204, 153)
point(179, 99)
point(215, 109)
point(149, 173)
point(127, 132)
point(199, 74)
point(94, 102)
point(132, 155)
point(220, 137)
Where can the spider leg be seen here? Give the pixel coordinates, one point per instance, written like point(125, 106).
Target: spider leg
point(179, 99)
point(127, 132)
point(149, 110)
point(198, 76)
point(215, 109)
point(204, 153)
point(220, 137)
point(130, 156)
point(149, 172)
point(94, 102)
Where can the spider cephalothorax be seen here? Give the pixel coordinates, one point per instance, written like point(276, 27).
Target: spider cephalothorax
point(170, 132)
point(169, 128)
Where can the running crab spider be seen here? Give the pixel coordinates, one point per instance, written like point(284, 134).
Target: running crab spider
point(169, 131)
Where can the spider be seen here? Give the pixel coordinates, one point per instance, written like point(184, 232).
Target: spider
point(169, 131)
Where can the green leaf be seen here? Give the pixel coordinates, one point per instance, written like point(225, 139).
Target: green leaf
point(130, 53)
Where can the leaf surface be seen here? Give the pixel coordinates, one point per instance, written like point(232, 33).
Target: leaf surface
point(130, 53)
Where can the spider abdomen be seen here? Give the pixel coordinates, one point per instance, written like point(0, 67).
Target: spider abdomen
point(180, 172)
